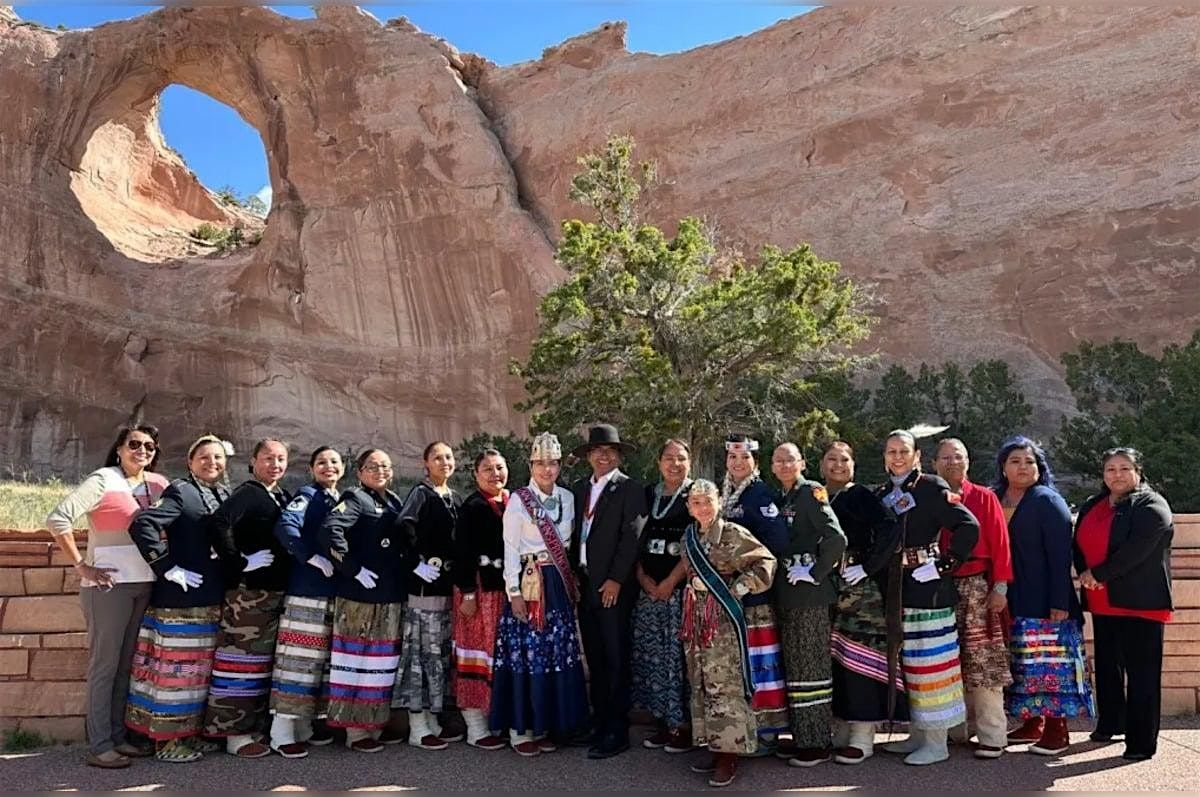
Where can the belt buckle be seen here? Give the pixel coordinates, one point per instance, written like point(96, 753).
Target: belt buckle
point(543, 556)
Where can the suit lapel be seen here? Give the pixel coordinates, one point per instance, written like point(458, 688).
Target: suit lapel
point(605, 498)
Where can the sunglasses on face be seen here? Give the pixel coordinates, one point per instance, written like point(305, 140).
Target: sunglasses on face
point(135, 445)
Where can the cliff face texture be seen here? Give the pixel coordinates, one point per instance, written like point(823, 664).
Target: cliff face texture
point(1011, 181)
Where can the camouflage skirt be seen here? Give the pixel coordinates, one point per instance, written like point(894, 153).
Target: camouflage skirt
point(984, 650)
point(362, 663)
point(423, 677)
point(721, 716)
point(241, 674)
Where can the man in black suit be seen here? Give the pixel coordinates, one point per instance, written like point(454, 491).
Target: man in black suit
point(610, 510)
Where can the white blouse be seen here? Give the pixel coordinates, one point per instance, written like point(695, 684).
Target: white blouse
point(521, 535)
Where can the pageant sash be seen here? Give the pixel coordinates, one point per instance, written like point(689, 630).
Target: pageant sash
point(723, 595)
point(554, 546)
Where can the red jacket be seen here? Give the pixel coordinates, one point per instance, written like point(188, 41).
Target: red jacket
point(991, 554)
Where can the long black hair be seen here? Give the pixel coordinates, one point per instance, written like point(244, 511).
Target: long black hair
point(114, 460)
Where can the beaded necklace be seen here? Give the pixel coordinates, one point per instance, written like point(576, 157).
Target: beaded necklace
point(658, 496)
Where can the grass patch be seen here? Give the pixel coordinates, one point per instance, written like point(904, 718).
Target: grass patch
point(19, 740)
point(25, 504)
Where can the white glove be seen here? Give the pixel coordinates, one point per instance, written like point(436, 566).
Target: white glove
point(366, 578)
point(853, 574)
point(427, 572)
point(184, 578)
point(322, 564)
point(797, 573)
point(926, 572)
point(258, 560)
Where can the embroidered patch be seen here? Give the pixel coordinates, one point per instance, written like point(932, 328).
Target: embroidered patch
point(821, 494)
point(298, 504)
point(770, 510)
point(953, 498)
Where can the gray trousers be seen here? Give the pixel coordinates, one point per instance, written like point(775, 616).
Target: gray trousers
point(113, 618)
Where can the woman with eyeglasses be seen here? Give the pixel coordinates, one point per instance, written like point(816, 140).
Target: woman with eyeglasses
point(429, 518)
point(173, 663)
point(256, 569)
point(1123, 557)
point(370, 552)
point(479, 595)
point(115, 581)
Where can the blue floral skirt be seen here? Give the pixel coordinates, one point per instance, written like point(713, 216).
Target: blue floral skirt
point(537, 679)
point(1049, 670)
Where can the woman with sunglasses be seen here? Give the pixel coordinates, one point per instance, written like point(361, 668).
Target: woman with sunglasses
point(115, 582)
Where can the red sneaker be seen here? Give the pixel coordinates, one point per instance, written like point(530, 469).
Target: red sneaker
point(1028, 733)
point(527, 749)
point(430, 742)
point(489, 743)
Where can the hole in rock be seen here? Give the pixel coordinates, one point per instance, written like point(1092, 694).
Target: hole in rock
point(179, 176)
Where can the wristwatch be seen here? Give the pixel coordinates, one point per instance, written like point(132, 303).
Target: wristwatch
point(1000, 588)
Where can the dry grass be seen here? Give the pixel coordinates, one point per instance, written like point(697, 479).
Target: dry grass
point(24, 505)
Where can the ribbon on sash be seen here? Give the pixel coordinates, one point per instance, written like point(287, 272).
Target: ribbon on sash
point(554, 546)
point(719, 592)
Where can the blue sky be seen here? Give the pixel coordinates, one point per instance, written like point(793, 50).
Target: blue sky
point(224, 151)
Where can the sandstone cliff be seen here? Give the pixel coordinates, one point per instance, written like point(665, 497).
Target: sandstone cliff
point(1011, 180)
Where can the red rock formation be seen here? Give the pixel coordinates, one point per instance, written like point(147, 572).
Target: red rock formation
point(1011, 181)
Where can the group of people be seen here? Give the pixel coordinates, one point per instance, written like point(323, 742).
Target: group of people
point(753, 621)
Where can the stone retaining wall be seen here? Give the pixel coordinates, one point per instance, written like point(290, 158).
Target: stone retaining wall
point(43, 640)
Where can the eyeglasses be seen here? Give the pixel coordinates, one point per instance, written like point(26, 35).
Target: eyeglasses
point(136, 445)
point(378, 468)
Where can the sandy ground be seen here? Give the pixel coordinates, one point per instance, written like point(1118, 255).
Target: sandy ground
point(1085, 767)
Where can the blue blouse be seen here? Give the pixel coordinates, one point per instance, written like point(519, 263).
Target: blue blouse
point(1039, 534)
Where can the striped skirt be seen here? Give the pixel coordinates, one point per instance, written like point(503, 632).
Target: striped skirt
point(984, 651)
point(766, 671)
point(172, 665)
point(363, 657)
point(858, 645)
point(932, 674)
point(659, 667)
point(1050, 676)
point(474, 645)
point(241, 676)
point(302, 658)
point(805, 635)
point(424, 670)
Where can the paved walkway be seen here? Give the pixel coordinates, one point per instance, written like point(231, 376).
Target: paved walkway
point(1086, 767)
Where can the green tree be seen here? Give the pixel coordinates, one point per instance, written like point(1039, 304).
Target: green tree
point(982, 406)
point(1127, 397)
point(678, 335)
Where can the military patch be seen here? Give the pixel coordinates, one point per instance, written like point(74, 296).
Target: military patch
point(953, 498)
point(821, 494)
point(341, 507)
point(385, 543)
point(770, 510)
point(298, 504)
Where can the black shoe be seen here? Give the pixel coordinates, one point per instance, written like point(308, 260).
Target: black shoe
point(584, 738)
point(611, 746)
point(1128, 756)
point(1103, 738)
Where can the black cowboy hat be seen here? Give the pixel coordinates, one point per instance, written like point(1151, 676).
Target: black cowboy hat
point(603, 434)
